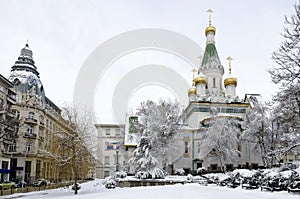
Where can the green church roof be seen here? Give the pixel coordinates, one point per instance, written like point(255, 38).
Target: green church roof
point(211, 57)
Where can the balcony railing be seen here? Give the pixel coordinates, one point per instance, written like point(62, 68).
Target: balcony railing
point(27, 135)
point(31, 120)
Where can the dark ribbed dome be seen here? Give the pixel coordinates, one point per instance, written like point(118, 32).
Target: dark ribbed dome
point(24, 74)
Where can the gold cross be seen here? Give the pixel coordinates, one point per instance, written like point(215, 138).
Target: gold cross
point(229, 61)
point(209, 16)
point(193, 71)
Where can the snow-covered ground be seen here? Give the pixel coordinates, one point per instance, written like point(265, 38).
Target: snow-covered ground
point(95, 189)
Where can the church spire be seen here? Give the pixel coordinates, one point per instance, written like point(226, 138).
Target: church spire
point(210, 27)
point(211, 64)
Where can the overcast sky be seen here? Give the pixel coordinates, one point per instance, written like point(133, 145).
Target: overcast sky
point(62, 34)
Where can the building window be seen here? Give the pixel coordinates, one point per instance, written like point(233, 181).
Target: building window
point(214, 82)
point(186, 147)
point(41, 133)
point(12, 148)
point(38, 168)
point(29, 130)
point(4, 165)
point(28, 146)
point(214, 167)
point(17, 114)
point(106, 174)
point(31, 115)
point(106, 160)
point(107, 131)
point(109, 146)
point(118, 132)
point(41, 119)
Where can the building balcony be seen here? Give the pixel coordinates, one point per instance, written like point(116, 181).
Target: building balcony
point(31, 120)
point(12, 99)
point(8, 151)
point(32, 136)
point(42, 124)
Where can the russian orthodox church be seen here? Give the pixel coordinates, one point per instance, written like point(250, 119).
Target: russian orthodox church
point(212, 96)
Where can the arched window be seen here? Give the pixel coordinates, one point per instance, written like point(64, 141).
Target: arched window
point(186, 147)
point(28, 146)
point(214, 82)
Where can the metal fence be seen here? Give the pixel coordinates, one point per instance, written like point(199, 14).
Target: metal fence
point(30, 188)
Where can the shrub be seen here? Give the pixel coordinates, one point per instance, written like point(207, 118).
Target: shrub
point(157, 173)
point(109, 182)
point(179, 172)
point(143, 175)
point(121, 174)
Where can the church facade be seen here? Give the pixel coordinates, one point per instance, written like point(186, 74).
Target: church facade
point(212, 96)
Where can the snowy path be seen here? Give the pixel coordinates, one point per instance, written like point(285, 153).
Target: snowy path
point(95, 189)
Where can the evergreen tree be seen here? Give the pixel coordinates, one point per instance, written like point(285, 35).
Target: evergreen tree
point(158, 123)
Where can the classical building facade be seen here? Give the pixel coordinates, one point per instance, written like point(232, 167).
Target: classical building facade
point(115, 146)
point(41, 127)
point(110, 142)
point(8, 125)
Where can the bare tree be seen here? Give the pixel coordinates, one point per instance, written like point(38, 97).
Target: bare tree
point(74, 146)
point(9, 125)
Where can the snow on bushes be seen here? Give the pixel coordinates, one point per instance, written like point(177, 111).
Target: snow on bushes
point(200, 170)
point(157, 173)
point(142, 175)
point(110, 182)
point(179, 172)
point(190, 178)
point(120, 174)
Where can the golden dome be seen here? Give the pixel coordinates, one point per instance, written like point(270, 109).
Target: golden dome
point(201, 79)
point(210, 28)
point(192, 90)
point(230, 80)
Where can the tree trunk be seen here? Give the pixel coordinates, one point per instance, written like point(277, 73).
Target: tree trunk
point(74, 169)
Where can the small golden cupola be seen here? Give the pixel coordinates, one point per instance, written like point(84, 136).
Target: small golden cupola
point(193, 90)
point(230, 82)
point(210, 28)
point(201, 78)
point(230, 78)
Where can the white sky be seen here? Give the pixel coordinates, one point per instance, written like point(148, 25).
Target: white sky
point(62, 34)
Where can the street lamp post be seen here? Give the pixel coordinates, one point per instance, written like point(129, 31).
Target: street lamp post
point(117, 163)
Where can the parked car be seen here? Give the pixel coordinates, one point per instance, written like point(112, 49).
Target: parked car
point(40, 182)
point(7, 185)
